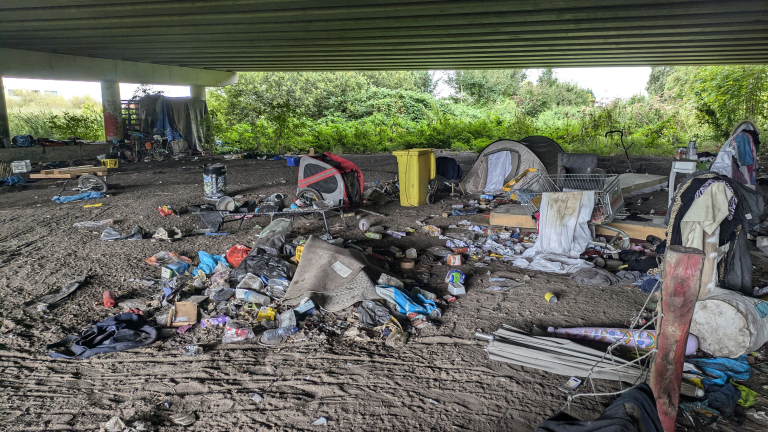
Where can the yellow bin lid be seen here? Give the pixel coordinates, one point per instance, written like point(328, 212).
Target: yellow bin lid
point(411, 152)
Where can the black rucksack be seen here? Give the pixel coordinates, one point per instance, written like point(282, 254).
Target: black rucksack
point(118, 333)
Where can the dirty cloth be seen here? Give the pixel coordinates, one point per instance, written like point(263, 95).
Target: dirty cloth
point(12, 180)
point(372, 314)
point(448, 168)
point(208, 262)
point(722, 369)
point(748, 396)
point(78, 197)
point(634, 411)
point(406, 303)
point(332, 277)
point(723, 398)
point(54, 297)
point(118, 333)
point(648, 283)
point(705, 214)
point(602, 277)
point(563, 233)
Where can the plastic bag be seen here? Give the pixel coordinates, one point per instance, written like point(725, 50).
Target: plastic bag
point(405, 302)
point(110, 234)
point(208, 262)
point(234, 332)
point(164, 258)
point(279, 226)
point(373, 314)
point(261, 264)
point(236, 254)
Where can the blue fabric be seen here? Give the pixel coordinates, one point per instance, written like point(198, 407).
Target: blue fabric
point(23, 141)
point(208, 262)
point(13, 180)
point(78, 197)
point(406, 303)
point(647, 283)
point(722, 369)
point(744, 147)
point(164, 125)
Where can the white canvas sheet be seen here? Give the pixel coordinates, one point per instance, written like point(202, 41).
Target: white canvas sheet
point(499, 166)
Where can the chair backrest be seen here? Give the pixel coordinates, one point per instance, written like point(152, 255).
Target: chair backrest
point(577, 163)
point(448, 168)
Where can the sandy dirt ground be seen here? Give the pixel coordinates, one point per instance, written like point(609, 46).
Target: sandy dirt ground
point(440, 380)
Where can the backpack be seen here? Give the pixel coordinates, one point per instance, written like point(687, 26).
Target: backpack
point(118, 333)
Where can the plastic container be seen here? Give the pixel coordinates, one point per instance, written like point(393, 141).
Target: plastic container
point(730, 324)
point(280, 226)
point(293, 161)
point(299, 251)
point(416, 167)
point(252, 296)
point(278, 333)
point(21, 166)
point(109, 299)
point(109, 163)
point(214, 181)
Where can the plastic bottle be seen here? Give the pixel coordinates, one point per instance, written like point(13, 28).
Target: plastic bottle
point(411, 253)
point(252, 296)
point(373, 236)
point(109, 299)
point(279, 333)
point(364, 225)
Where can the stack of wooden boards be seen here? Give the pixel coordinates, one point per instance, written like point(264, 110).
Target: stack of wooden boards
point(70, 173)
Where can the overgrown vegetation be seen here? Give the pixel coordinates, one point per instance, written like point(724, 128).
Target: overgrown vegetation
point(54, 117)
point(385, 111)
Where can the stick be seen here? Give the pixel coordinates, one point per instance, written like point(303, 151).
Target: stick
point(373, 213)
point(681, 283)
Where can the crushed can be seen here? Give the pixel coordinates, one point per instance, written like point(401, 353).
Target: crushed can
point(192, 350)
point(454, 259)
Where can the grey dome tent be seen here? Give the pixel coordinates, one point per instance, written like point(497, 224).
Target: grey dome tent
point(546, 149)
point(503, 160)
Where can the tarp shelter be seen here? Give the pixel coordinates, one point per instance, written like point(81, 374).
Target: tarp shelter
point(503, 160)
point(546, 149)
point(174, 118)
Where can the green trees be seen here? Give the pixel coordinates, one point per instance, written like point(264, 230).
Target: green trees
point(486, 86)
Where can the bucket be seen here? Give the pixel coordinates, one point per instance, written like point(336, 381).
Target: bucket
point(214, 181)
point(729, 324)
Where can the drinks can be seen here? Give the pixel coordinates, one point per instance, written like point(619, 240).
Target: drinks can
point(550, 297)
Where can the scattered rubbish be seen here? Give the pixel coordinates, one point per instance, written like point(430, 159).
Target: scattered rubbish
point(110, 234)
point(456, 288)
point(432, 230)
point(234, 332)
point(53, 298)
point(278, 333)
point(407, 264)
point(236, 254)
point(396, 234)
point(279, 226)
point(215, 321)
point(374, 236)
point(115, 424)
point(81, 196)
point(108, 299)
point(432, 401)
point(749, 328)
point(454, 260)
point(181, 314)
point(184, 419)
point(165, 210)
point(132, 332)
point(92, 205)
point(164, 258)
point(322, 421)
point(364, 224)
point(167, 235)
point(92, 224)
point(550, 297)
point(12, 180)
point(411, 253)
point(257, 398)
point(192, 350)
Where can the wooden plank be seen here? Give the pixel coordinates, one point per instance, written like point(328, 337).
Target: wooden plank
point(53, 176)
point(514, 215)
point(682, 280)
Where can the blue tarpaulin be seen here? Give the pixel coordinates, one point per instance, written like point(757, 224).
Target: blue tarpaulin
point(13, 180)
point(80, 196)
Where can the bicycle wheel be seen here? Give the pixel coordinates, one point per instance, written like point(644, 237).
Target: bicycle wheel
point(157, 154)
point(91, 183)
point(309, 196)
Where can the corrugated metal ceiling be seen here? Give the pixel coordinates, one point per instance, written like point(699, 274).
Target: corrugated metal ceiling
point(245, 35)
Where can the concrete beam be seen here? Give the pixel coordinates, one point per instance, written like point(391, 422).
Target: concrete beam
point(39, 65)
point(5, 129)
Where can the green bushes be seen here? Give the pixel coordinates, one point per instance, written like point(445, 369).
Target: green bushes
point(56, 120)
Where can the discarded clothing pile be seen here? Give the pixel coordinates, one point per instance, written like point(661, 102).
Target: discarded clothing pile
point(12, 180)
point(706, 202)
point(737, 159)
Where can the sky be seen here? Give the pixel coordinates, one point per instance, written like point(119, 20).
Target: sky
point(606, 83)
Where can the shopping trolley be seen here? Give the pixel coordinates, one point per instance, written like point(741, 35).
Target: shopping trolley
point(608, 198)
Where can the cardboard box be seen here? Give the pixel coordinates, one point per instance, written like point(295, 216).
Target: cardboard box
point(182, 313)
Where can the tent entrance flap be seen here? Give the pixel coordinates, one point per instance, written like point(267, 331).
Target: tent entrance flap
point(499, 166)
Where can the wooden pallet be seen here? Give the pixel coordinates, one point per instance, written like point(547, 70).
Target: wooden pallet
point(70, 173)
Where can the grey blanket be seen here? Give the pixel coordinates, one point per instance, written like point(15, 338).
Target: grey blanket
point(601, 277)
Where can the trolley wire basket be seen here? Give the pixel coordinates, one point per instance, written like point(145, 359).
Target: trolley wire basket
point(608, 198)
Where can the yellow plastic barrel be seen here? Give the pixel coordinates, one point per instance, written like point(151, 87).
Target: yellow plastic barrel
point(416, 167)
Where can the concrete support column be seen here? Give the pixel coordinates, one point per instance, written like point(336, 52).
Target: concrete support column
point(113, 110)
point(197, 92)
point(5, 129)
